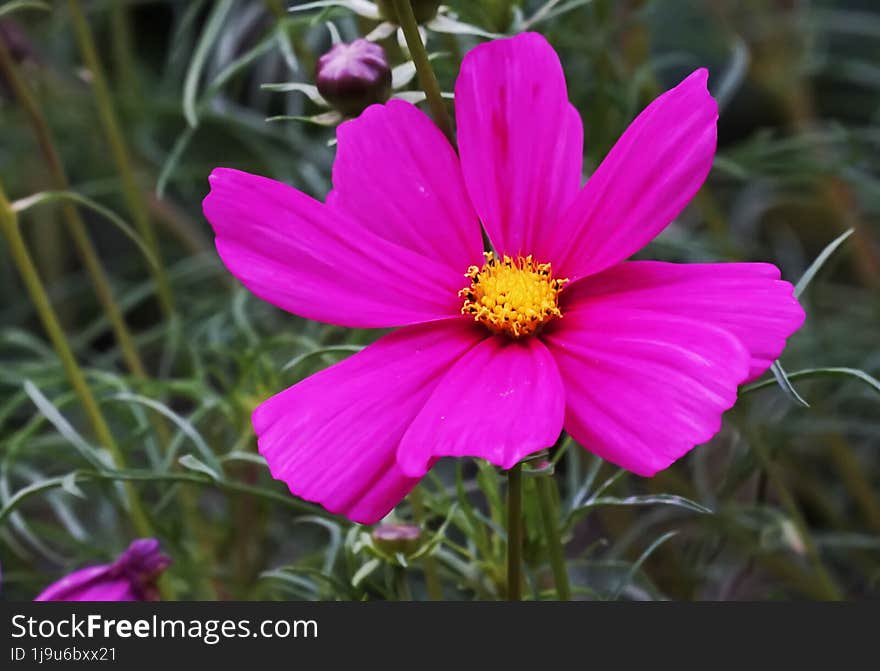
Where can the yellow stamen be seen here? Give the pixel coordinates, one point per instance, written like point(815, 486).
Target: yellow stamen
point(512, 296)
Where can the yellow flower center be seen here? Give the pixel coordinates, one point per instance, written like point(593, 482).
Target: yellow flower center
point(512, 296)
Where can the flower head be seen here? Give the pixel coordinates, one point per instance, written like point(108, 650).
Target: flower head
point(353, 76)
point(495, 353)
point(132, 577)
point(512, 296)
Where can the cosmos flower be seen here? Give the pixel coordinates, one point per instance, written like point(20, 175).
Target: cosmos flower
point(494, 354)
point(132, 577)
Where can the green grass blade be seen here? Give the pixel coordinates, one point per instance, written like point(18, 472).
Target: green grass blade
point(820, 261)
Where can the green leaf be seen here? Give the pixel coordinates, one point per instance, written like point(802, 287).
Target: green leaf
point(446, 24)
point(331, 118)
point(335, 37)
point(310, 91)
point(820, 261)
point(303, 585)
point(403, 74)
point(193, 463)
point(414, 97)
point(297, 360)
point(16, 5)
point(361, 7)
point(587, 484)
point(438, 536)
point(551, 9)
point(68, 484)
point(638, 563)
point(210, 34)
point(860, 375)
point(382, 32)
point(97, 458)
point(364, 571)
point(310, 576)
point(610, 482)
point(185, 426)
point(10, 504)
point(734, 74)
point(647, 500)
point(335, 532)
point(784, 382)
point(285, 46)
point(44, 197)
point(174, 156)
point(249, 457)
point(239, 64)
point(28, 341)
point(730, 166)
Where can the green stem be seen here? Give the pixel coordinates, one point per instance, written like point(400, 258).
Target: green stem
point(75, 225)
point(118, 148)
point(126, 74)
point(514, 533)
point(23, 261)
point(401, 584)
point(432, 581)
point(828, 587)
point(550, 518)
point(427, 78)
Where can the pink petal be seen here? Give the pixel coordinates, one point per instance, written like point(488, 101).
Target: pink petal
point(333, 437)
point(501, 401)
point(397, 175)
point(747, 299)
point(115, 589)
point(643, 388)
point(318, 262)
point(93, 583)
point(646, 180)
point(520, 141)
point(73, 582)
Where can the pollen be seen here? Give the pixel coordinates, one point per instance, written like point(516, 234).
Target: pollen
point(512, 296)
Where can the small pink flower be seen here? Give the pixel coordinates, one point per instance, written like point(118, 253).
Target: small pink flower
point(132, 577)
point(637, 360)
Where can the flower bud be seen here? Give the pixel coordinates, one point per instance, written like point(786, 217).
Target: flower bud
point(16, 41)
point(393, 538)
point(132, 577)
point(353, 76)
point(424, 10)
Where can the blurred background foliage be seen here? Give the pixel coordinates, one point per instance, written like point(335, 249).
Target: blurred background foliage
point(783, 504)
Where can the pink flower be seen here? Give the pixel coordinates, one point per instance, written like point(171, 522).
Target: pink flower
point(132, 577)
point(494, 356)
